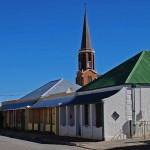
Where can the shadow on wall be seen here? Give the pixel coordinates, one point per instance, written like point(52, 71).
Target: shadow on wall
point(139, 116)
point(125, 132)
point(126, 129)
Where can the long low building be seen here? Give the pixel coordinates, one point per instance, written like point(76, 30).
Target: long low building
point(114, 106)
point(19, 114)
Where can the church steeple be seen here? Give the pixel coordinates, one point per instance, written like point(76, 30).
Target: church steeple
point(86, 42)
point(86, 66)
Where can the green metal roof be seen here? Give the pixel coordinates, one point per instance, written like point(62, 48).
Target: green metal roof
point(135, 70)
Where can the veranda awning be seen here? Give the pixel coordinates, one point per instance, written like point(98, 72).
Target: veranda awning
point(53, 102)
point(19, 105)
point(91, 98)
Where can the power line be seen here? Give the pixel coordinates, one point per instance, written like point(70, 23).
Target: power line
point(14, 91)
point(13, 95)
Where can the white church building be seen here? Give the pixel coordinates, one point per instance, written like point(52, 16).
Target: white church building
point(114, 106)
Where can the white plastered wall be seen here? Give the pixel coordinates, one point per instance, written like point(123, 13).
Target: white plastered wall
point(123, 103)
point(142, 111)
point(142, 103)
point(90, 131)
point(114, 129)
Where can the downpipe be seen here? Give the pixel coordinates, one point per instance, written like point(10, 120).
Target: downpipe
point(133, 122)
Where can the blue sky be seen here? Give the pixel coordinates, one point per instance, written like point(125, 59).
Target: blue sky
point(40, 39)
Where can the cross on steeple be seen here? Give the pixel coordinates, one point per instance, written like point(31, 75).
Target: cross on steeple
point(85, 5)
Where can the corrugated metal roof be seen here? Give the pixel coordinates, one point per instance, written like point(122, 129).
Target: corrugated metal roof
point(20, 105)
point(91, 98)
point(53, 102)
point(40, 91)
point(62, 86)
point(141, 72)
point(53, 87)
point(133, 71)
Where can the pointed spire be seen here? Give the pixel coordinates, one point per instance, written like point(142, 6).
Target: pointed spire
point(86, 42)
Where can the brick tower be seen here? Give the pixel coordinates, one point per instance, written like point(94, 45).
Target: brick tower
point(86, 69)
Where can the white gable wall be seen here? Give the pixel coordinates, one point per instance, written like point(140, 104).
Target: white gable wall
point(122, 104)
point(115, 103)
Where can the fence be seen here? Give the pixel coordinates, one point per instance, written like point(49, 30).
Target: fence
point(142, 129)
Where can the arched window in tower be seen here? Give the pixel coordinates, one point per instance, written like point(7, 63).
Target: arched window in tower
point(89, 79)
point(83, 61)
point(89, 65)
point(79, 61)
point(93, 62)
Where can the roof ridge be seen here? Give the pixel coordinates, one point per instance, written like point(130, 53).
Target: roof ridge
point(52, 87)
point(40, 88)
point(135, 67)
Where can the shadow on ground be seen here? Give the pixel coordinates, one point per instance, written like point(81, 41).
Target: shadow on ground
point(140, 145)
point(43, 138)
